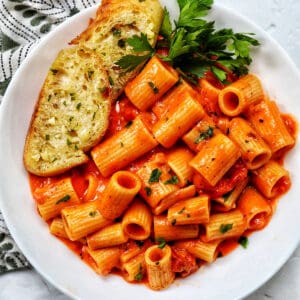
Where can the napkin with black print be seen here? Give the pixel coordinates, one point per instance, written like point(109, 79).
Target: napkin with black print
point(22, 24)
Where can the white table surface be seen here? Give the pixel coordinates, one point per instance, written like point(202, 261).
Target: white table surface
point(281, 19)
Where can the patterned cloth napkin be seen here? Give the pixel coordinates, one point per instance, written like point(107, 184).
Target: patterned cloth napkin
point(22, 24)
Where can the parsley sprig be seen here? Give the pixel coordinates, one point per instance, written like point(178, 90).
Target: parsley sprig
point(195, 46)
point(139, 44)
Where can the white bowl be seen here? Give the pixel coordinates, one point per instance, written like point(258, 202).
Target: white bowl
point(231, 277)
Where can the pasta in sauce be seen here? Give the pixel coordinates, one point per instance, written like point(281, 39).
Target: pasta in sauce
point(176, 184)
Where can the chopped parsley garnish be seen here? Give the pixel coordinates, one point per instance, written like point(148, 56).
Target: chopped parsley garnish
point(139, 275)
point(162, 242)
point(69, 142)
point(78, 106)
point(172, 180)
point(243, 241)
point(205, 135)
point(111, 82)
point(139, 44)
point(226, 196)
point(54, 71)
point(47, 137)
point(153, 87)
point(155, 174)
point(225, 227)
point(148, 191)
point(195, 46)
point(63, 199)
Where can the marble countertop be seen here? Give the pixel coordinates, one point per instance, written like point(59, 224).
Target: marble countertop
point(281, 19)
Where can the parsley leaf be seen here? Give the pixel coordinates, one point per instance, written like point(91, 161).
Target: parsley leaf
point(139, 275)
point(191, 11)
point(155, 174)
point(205, 135)
point(243, 241)
point(226, 196)
point(172, 180)
point(148, 191)
point(130, 62)
point(166, 26)
point(139, 44)
point(195, 46)
point(63, 199)
point(162, 242)
point(225, 227)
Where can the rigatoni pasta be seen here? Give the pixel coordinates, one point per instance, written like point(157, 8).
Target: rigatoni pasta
point(255, 152)
point(216, 157)
point(238, 96)
point(154, 80)
point(272, 179)
point(159, 269)
point(266, 119)
point(182, 172)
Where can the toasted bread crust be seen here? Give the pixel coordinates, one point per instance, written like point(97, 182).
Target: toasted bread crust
point(73, 108)
point(117, 21)
point(71, 115)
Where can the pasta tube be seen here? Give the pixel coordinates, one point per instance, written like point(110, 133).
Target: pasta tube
point(52, 199)
point(199, 134)
point(123, 147)
point(215, 158)
point(255, 152)
point(169, 232)
point(163, 106)
point(137, 221)
point(148, 86)
point(83, 219)
point(158, 264)
point(224, 225)
point(228, 201)
point(190, 211)
point(255, 208)
point(57, 228)
point(135, 268)
point(181, 194)
point(157, 182)
point(119, 192)
point(109, 236)
point(185, 112)
point(271, 179)
point(105, 259)
point(205, 251)
point(235, 98)
point(266, 119)
point(178, 160)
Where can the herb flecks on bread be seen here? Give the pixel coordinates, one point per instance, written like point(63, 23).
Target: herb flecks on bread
point(71, 114)
point(73, 108)
point(116, 22)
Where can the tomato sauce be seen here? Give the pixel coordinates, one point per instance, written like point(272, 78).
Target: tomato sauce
point(122, 113)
